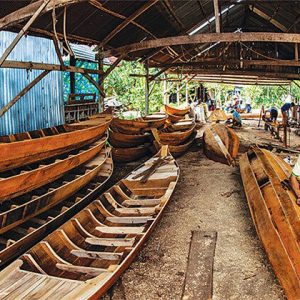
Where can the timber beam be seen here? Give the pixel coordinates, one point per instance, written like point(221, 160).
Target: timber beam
point(29, 10)
point(274, 37)
point(228, 62)
point(47, 67)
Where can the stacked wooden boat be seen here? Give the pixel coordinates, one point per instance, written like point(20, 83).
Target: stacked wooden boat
point(176, 114)
point(178, 140)
point(131, 139)
point(40, 193)
point(275, 214)
point(221, 144)
point(86, 255)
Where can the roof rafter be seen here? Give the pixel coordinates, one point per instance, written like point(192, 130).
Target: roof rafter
point(207, 38)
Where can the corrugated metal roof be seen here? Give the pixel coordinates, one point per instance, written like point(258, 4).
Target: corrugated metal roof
point(42, 106)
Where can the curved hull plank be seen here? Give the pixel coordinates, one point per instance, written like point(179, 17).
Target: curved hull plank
point(69, 195)
point(88, 253)
point(175, 138)
point(221, 144)
point(275, 214)
point(174, 118)
point(29, 180)
point(121, 140)
point(123, 155)
point(137, 126)
point(176, 111)
point(24, 152)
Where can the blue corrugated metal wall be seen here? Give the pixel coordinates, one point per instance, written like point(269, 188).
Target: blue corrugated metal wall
point(43, 105)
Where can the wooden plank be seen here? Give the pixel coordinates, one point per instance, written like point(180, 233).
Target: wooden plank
point(206, 38)
point(47, 67)
point(199, 275)
point(121, 230)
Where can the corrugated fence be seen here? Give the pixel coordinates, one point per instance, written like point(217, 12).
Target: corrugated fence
point(43, 105)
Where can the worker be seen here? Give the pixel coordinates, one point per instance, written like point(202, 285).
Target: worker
point(273, 111)
point(248, 106)
point(295, 179)
point(236, 119)
point(285, 112)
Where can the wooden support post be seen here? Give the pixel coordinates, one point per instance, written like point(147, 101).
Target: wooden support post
point(22, 93)
point(59, 55)
point(147, 88)
point(187, 92)
point(165, 92)
point(217, 16)
point(296, 52)
point(72, 76)
point(101, 80)
point(22, 32)
point(177, 93)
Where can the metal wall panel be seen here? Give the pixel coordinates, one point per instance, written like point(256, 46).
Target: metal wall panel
point(43, 105)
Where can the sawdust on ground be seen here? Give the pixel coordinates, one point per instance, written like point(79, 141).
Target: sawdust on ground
point(210, 197)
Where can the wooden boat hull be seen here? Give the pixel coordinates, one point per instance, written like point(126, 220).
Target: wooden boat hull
point(92, 270)
point(20, 153)
point(122, 140)
point(137, 126)
point(168, 136)
point(175, 150)
point(99, 170)
point(221, 144)
point(176, 111)
point(123, 155)
point(275, 214)
point(183, 125)
point(174, 118)
point(39, 204)
point(29, 180)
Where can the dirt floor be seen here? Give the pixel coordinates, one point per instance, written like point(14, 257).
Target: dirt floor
point(210, 197)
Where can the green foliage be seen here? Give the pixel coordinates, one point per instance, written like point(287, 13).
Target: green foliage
point(129, 90)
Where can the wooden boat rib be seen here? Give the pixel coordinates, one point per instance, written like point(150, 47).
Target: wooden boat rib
point(275, 214)
point(86, 255)
point(122, 140)
point(137, 126)
point(26, 148)
point(70, 194)
point(175, 150)
point(221, 144)
point(169, 136)
point(32, 178)
point(177, 111)
point(19, 210)
point(122, 155)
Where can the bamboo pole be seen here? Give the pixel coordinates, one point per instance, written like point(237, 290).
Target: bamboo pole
point(22, 93)
point(147, 88)
point(13, 44)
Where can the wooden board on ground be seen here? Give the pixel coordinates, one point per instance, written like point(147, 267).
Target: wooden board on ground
point(198, 283)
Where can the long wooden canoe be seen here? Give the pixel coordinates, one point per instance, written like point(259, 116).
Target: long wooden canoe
point(38, 175)
point(177, 111)
point(25, 148)
point(275, 214)
point(137, 126)
point(122, 155)
point(23, 208)
point(122, 140)
point(221, 144)
point(84, 257)
point(71, 193)
point(175, 150)
point(169, 136)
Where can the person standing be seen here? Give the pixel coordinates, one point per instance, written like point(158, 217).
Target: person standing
point(285, 112)
point(248, 106)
